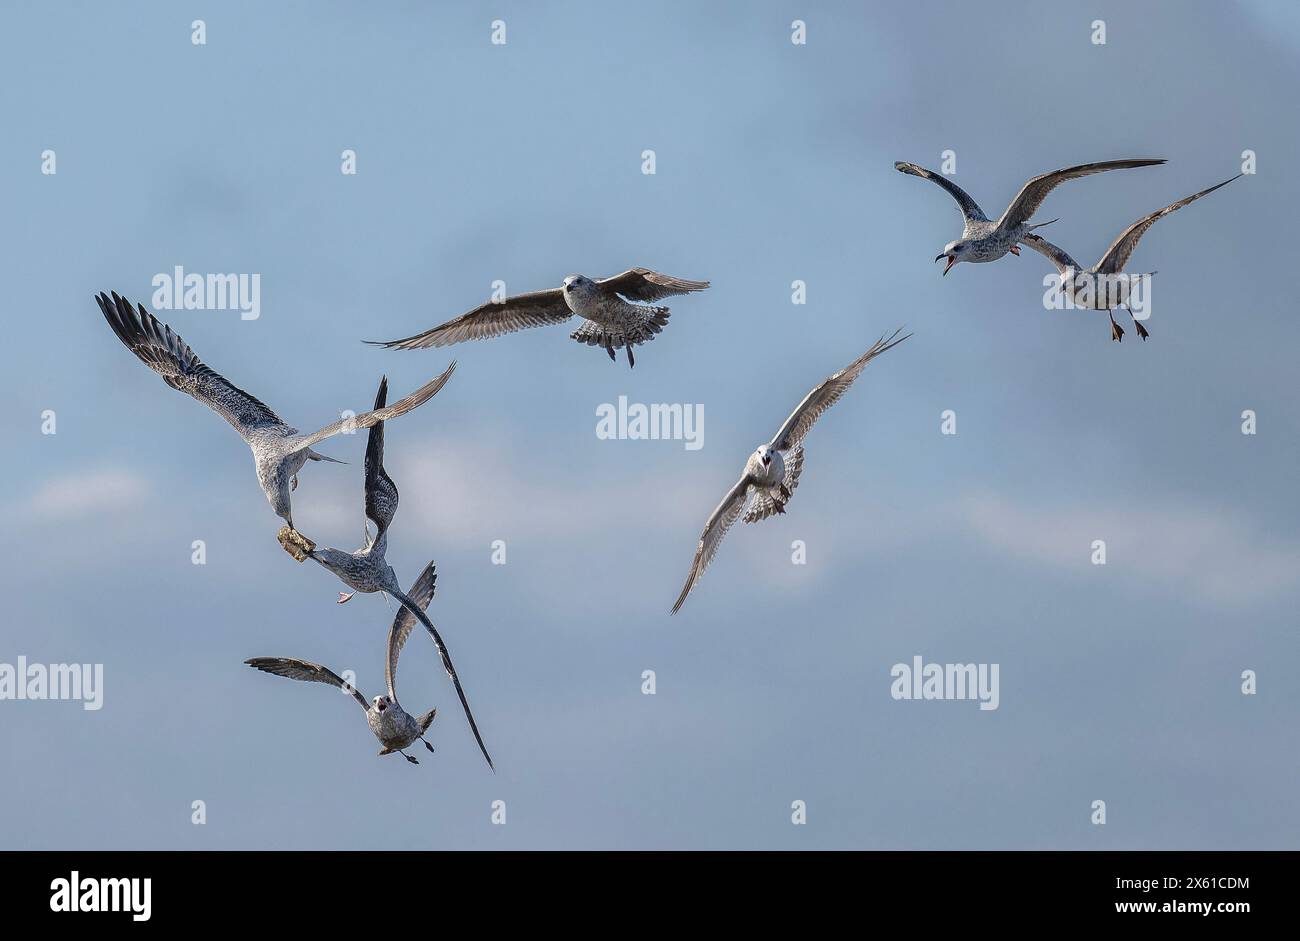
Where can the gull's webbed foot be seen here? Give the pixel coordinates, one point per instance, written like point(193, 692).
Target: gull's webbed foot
point(408, 757)
point(1142, 331)
point(345, 596)
point(1116, 331)
point(428, 746)
point(1015, 250)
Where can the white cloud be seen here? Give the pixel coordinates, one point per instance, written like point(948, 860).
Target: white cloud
point(1206, 553)
point(82, 494)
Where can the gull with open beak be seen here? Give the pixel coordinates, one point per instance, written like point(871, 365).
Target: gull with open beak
point(983, 240)
point(772, 471)
point(395, 728)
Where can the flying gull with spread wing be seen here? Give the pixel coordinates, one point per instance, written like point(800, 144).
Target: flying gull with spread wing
point(279, 450)
point(1105, 286)
point(772, 471)
point(395, 728)
point(366, 570)
point(983, 240)
point(615, 312)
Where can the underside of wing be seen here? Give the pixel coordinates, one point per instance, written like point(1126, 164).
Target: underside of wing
point(492, 319)
point(1033, 193)
point(306, 671)
point(827, 393)
point(970, 210)
point(1059, 258)
point(404, 621)
point(1117, 256)
point(372, 418)
point(727, 512)
point(163, 351)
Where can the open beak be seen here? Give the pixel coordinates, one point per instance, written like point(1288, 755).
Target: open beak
point(952, 260)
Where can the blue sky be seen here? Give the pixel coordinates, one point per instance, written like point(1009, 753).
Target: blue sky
point(522, 163)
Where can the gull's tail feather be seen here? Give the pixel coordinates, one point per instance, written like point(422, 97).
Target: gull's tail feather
point(415, 609)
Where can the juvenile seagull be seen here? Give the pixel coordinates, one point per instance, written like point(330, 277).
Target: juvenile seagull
point(395, 728)
point(983, 240)
point(1104, 286)
point(366, 570)
point(610, 320)
point(772, 471)
point(279, 450)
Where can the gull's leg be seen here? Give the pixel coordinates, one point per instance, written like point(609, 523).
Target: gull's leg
point(1142, 331)
point(631, 360)
point(407, 757)
point(1116, 331)
point(345, 596)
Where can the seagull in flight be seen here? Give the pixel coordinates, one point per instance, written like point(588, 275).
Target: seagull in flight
point(366, 570)
point(983, 240)
point(772, 471)
point(395, 728)
point(614, 311)
point(1104, 286)
point(279, 450)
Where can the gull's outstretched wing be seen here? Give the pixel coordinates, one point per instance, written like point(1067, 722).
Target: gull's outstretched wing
point(1059, 257)
point(1033, 193)
point(728, 512)
point(171, 357)
point(369, 419)
point(306, 671)
point(970, 210)
point(490, 320)
point(1116, 257)
point(642, 284)
point(381, 492)
point(827, 393)
point(421, 593)
point(447, 665)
